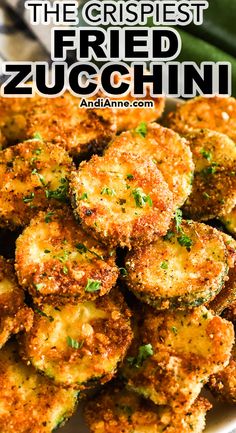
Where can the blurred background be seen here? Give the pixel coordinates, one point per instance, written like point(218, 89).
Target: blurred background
point(215, 40)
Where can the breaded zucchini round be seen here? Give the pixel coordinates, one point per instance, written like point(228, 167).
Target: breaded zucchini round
point(79, 345)
point(223, 384)
point(186, 268)
point(12, 119)
point(117, 410)
point(227, 296)
point(56, 259)
point(14, 315)
point(62, 121)
point(216, 113)
point(169, 152)
point(174, 354)
point(33, 176)
point(30, 402)
point(229, 221)
point(214, 185)
point(122, 199)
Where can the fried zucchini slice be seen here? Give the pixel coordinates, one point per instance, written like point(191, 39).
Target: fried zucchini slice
point(223, 384)
point(79, 345)
point(30, 402)
point(117, 410)
point(56, 259)
point(62, 121)
point(122, 199)
point(216, 113)
point(33, 176)
point(12, 120)
point(227, 296)
point(174, 353)
point(214, 185)
point(14, 315)
point(229, 221)
point(169, 152)
point(186, 268)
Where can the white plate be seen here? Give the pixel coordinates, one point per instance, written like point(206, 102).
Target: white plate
point(221, 419)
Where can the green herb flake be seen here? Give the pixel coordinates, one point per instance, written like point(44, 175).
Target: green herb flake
point(206, 154)
point(123, 272)
point(40, 177)
point(142, 129)
point(47, 251)
point(178, 220)
point(108, 191)
point(129, 176)
point(61, 193)
point(206, 196)
point(164, 264)
point(84, 196)
point(50, 318)
point(174, 330)
point(144, 352)
point(65, 270)
point(48, 217)
point(83, 249)
point(185, 241)
point(74, 344)
point(28, 198)
point(37, 136)
point(169, 235)
point(92, 286)
point(38, 286)
point(141, 198)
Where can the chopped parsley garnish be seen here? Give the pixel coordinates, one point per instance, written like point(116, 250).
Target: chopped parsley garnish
point(38, 286)
point(40, 177)
point(74, 344)
point(206, 154)
point(83, 249)
point(142, 129)
point(143, 353)
point(108, 191)
point(61, 193)
point(205, 195)
point(48, 217)
point(164, 264)
point(141, 198)
point(178, 220)
point(50, 318)
point(62, 257)
point(174, 330)
point(210, 170)
point(28, 198)
point(92, 286)
point(84, 196)
point(65, 270)
point(185, 241)
point(37, 136)
point(129, 176)
point(169, 235)
point(47, 251)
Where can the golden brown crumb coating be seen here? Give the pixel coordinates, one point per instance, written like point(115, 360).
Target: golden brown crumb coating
point(79, 345)
point(229, 220)
point(223, 384)
point(14, 315)
point(122, 199)
point(216, 113)
point(174, 353)
point(29, 402)
point(169, 152)
point(56, 258)
point(33, 176)
point(184, 269)
point(214, 184)
point(117, 410)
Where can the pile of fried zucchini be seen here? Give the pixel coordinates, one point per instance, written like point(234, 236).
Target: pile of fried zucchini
point(118, 264)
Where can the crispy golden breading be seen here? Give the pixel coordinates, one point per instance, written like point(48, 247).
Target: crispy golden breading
point(186, 268)
point(122, 199)
point(168, 151)
point(223, 384)
point(33, 176)
point(229, 221)
point(61, 121)
point(30, 403)
point(55, 257)
point(175, 353)
point(12, 119)
point(79, 345)
point(14, 315)
point(117, 410)
point(214, 185)
point(217, 113)
point(227, 295)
